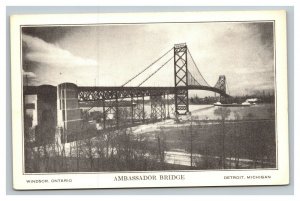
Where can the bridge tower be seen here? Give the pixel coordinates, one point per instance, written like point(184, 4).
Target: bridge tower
point(221, 84)
point(181, 79)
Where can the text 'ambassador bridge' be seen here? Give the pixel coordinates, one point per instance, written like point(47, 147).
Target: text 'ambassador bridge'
point(120, 107)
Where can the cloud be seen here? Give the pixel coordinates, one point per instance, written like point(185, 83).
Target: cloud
point(47, 63)
point(29, 74)
point(29, 78)
point(42, 52)
point(110, 55)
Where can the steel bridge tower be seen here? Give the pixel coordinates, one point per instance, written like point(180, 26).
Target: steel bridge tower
point(221, 84)
point(181, 79)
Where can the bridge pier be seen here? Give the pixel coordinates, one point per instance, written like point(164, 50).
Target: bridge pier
point(170, 105)
point(117, 110)
point(143, 108)
point(157, 107)
point(68, 112)
point(111, 114)
point(139, 108)
point(222, 99)
point(104, 113)
point(181, 102)
point(132, 109)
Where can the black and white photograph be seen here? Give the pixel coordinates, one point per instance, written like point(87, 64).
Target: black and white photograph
point(138, 98)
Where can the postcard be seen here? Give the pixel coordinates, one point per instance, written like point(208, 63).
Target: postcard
point(137, 100)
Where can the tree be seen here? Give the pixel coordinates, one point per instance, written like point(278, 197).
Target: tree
point(223, 112)
point(161, 147)
point(28, 147)
point(237, 130)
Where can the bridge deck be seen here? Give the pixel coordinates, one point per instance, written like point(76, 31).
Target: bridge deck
point(87, 93)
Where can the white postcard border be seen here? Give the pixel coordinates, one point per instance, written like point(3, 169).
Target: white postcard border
point(279, 176)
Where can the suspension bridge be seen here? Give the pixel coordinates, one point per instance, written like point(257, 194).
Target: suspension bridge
point(65, 102)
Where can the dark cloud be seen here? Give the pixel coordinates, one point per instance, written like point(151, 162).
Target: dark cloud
point(266, 32)
point(48, 34)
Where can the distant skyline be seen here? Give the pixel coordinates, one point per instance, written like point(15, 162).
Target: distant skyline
point(109, 55)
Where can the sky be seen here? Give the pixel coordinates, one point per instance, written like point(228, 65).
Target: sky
point(109, 55)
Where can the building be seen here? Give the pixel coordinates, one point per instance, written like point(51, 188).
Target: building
point(40, 108)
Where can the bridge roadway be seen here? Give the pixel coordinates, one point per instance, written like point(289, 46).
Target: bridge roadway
point(97, 93)
point(88, 93)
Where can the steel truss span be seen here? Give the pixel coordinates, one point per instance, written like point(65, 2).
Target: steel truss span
point(108, 93)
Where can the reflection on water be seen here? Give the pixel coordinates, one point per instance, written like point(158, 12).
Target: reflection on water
point(259, 111)
point(206, 112)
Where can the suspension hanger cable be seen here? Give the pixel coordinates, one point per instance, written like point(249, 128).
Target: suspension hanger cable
point(196, 66)
point(189, 73)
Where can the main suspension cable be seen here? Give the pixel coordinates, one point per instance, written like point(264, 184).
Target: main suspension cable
point(147, 67)
point(155, 71)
